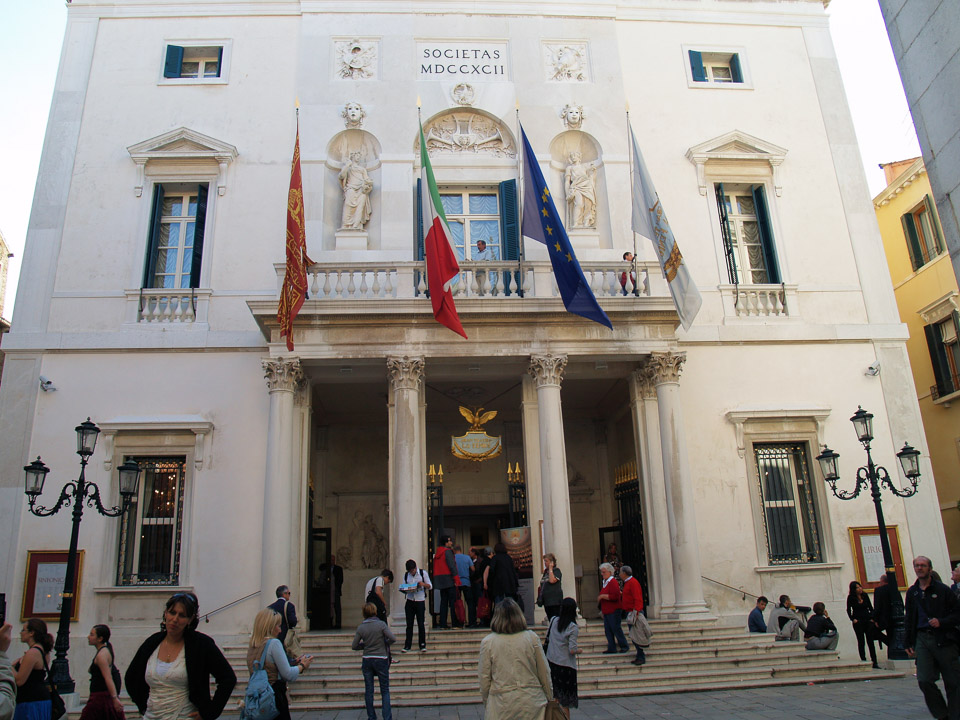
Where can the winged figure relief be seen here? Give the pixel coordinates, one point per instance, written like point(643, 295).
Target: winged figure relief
point(478, 418)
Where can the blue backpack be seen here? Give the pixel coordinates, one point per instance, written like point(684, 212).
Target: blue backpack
point(259, 703)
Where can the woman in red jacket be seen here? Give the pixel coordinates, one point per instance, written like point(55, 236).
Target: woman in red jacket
point(632, 599)
point(609, 599)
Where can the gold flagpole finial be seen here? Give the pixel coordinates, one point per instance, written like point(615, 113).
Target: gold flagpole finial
point(626, 106)
point(418, 102)
point(296, 102)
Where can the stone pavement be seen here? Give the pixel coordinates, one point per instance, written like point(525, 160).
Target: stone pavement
point(878, 700)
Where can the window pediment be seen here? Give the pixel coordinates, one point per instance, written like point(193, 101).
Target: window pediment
point(180, 147)
point(736, 147)
point(939, 310)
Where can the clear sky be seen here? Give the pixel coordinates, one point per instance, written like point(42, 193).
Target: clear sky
point(33, 32)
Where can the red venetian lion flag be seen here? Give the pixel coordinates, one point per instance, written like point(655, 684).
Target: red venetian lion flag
point(442, 265)
point(294, 290)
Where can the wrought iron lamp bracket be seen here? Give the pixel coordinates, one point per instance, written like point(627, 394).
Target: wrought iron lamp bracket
point(69, 491)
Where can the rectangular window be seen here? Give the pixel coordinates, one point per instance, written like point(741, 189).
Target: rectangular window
point(478, 213)
point(747, 235)
point(789, 509)
point(175, 247)
point(715, 67)
point(921, 227)
point(942, 341)
point(151, 528)
point(193, 62)
point(473, 216)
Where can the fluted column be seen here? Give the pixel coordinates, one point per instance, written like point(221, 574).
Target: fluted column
point(283, 375)
point(656, 534)
point(408, 529)
point(547, 371)
point(678, 483)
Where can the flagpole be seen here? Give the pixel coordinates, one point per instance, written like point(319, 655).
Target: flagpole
point(630, 143)
point(523, 249)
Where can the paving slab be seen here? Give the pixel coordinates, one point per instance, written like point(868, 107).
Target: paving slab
point(878, 699)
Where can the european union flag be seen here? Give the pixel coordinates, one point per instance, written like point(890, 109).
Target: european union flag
point(541, 222)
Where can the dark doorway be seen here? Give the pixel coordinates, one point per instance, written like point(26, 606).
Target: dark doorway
point(320, 599)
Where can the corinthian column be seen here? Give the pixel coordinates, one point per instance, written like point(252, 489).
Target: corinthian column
point(547, 371)
point(681, 517)
point(408, 528)
point(283, 375)
point(656, 535)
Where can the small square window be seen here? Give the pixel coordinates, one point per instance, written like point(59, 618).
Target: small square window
point(711, 67)
point(187, 62)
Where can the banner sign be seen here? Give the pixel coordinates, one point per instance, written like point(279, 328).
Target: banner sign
point(462, 59)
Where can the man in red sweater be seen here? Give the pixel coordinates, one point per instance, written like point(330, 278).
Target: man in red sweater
point(609, 599)
point(632, 599)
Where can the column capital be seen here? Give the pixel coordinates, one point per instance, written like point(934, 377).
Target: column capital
point(646, 385)
point(406, 373)
point(665, 367)
point(282, 373)
point(547, 369)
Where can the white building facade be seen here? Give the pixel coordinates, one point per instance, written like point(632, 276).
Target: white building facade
point(154, 259)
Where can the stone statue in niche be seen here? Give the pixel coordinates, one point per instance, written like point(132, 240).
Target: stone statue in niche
point(356, 185)
point(353, 115)
point(572, 116)
point(580, 185)
point(566, 62)
point(357, 60)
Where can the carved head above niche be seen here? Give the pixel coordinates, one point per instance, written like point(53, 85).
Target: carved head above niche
point(468, 131)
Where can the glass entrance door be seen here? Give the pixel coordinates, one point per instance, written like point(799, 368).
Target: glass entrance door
point(320, 596)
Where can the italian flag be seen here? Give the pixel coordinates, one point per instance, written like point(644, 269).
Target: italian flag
point(442, 265)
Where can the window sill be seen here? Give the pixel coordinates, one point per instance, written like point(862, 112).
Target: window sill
point(708, 85)
point(143, 589)
point(799, 567)
point(945, 400)
point(193, 81)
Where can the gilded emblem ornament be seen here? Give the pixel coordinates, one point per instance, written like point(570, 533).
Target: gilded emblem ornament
point(476, 445)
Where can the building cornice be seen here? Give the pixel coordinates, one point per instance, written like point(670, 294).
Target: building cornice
point(900, 183)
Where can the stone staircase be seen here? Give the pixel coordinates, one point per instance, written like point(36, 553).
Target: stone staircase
point(684, 657)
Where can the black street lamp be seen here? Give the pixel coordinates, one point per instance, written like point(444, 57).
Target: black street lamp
point(75, 493)
point(875, 476)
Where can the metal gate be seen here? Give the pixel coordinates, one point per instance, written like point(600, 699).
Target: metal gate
point(632, 551)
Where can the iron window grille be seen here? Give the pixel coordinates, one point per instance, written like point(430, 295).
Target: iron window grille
point(789, 508)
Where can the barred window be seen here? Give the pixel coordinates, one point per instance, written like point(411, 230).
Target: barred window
point(150, 529)
point(790, 518)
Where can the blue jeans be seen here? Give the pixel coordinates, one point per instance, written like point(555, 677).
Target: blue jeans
point(613, 631)
point(381, 668)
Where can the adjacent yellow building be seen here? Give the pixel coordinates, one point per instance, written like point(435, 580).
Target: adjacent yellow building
point(926, 290)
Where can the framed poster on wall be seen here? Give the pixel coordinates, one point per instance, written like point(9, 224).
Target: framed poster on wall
point(43, 585)
point(868, 555)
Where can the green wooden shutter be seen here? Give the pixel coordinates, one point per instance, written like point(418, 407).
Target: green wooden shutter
point(938, 358)
point(766, 234)
point(419, 228)
point(174, 62)
point(219, 62)
point(198, 229)
point(509, 220)
point(735, 72)
point(696, 66)
point(913, 240)
point(150, 263)
point(935, 224)
point(725, 234)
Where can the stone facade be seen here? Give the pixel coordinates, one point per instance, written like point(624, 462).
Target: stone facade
point(334, 451)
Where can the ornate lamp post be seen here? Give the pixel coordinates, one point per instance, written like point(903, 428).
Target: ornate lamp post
point(75, 493)
point(874, 476)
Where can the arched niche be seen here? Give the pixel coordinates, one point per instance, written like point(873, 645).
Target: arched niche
point(339, 149)
point(562, 147)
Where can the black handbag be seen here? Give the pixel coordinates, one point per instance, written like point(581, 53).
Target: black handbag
point(57, 707)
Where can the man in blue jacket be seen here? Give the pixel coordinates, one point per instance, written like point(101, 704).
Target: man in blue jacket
point(464, 570)
point(287, 611)
point(933, 614)
point(755, 623)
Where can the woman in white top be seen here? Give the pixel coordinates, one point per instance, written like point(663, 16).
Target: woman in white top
point(169, 677)
point(266, 628)
point(415, 607)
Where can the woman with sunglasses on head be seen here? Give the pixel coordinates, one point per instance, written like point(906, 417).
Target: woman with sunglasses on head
point(104, 701)
point(33, 697)
point(169, 677)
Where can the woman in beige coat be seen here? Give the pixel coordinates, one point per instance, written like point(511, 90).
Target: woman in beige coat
point(514, 676)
